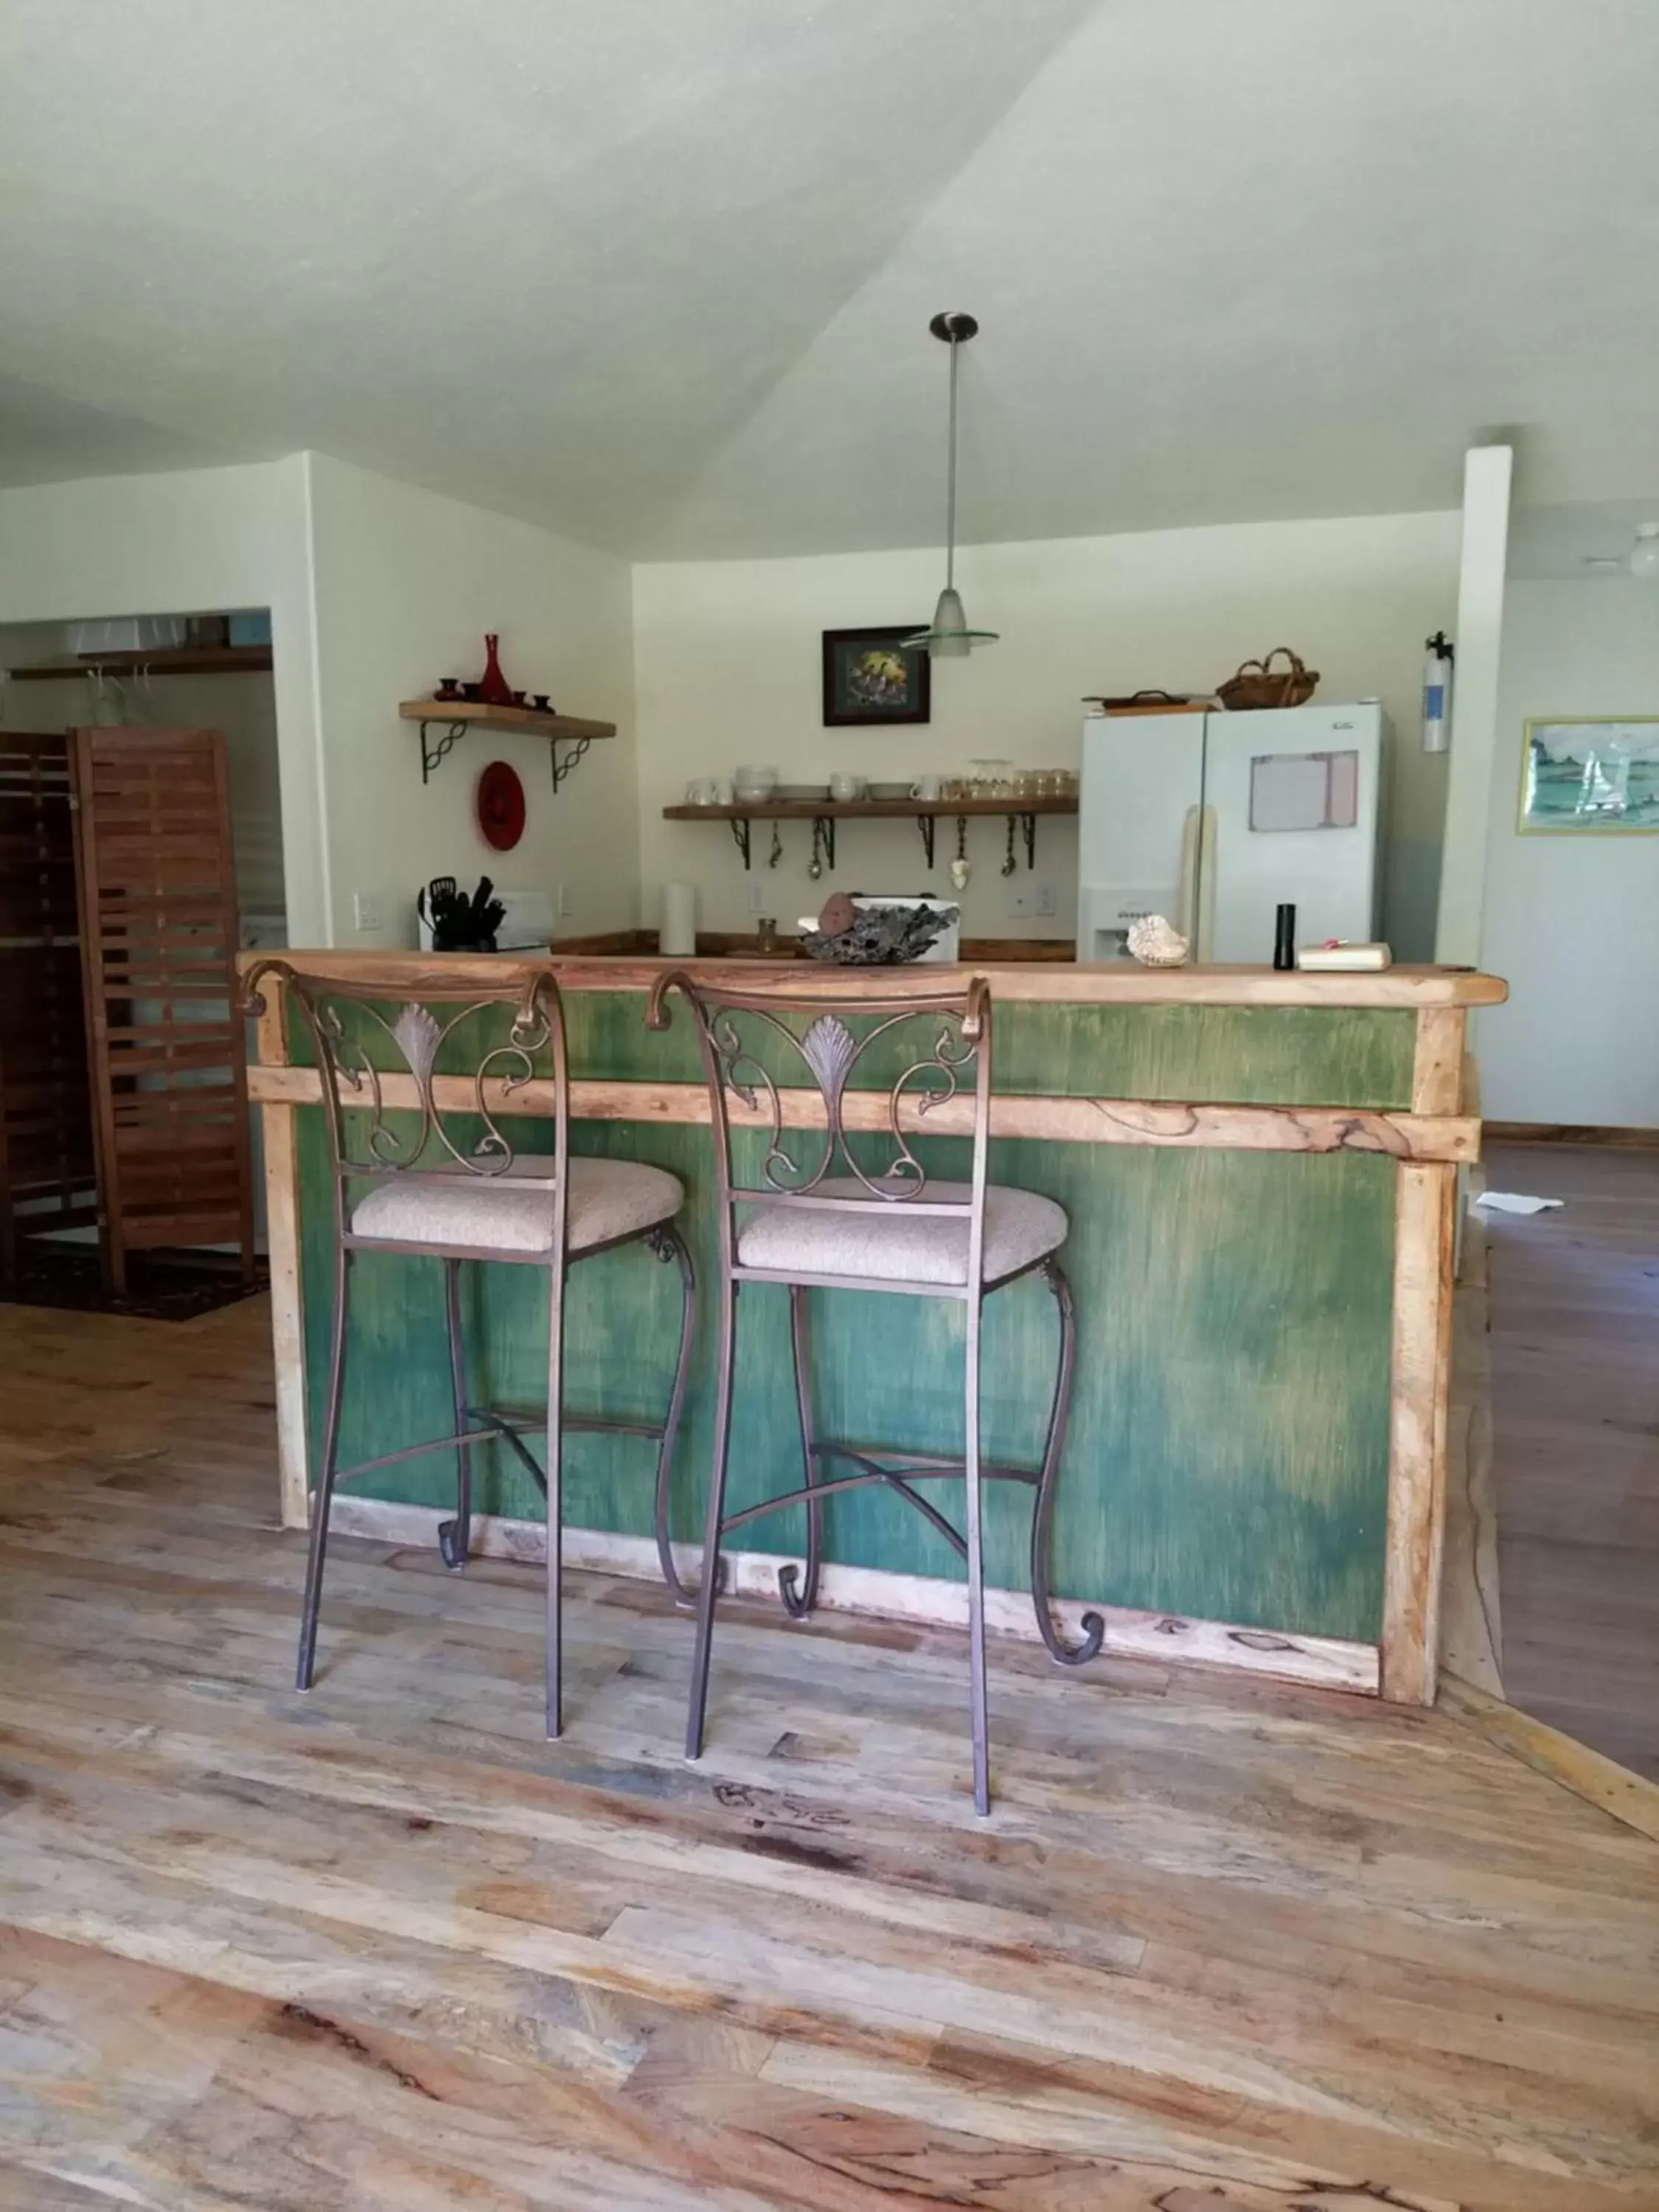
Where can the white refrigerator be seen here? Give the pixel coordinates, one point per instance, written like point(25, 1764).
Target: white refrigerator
point(1214, 819)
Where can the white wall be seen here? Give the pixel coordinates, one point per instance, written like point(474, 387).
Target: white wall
point(727, 669)
point(406, 584)
point(197, 541)
point(1570, 921)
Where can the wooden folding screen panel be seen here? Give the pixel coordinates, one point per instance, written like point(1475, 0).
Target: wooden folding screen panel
point(46, 1166)
point(165, 1041)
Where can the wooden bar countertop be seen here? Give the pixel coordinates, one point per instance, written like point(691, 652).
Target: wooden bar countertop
point(1039, 981)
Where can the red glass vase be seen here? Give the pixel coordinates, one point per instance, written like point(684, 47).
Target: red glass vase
point(492, 687)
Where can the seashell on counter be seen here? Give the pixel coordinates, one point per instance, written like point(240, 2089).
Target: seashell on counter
point(1157, 943)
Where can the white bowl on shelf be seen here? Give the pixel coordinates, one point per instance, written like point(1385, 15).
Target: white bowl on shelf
point(753, 783)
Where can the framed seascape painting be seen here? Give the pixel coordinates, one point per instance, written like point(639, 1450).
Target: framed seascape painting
point(1598, 775)
point(870, 676)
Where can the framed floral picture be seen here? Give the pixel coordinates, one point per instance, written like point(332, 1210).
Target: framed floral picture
point(870, 676)
point(1599, 775)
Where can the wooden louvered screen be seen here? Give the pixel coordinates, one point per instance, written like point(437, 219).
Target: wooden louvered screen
point(46, 1170)
point(158, 932)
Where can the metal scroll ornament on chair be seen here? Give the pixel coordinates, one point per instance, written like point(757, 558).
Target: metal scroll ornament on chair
point(822, 1215)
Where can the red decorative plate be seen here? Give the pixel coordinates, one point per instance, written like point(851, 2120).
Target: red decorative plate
point(500, 806)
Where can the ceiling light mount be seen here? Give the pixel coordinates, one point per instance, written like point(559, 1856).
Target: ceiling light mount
point(948, 636)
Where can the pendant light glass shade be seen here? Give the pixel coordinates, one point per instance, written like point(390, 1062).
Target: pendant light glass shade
point(948, 637)
point(1644, 554)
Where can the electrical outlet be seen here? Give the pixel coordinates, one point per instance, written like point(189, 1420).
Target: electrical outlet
point(366, 910)
point(1030, 901)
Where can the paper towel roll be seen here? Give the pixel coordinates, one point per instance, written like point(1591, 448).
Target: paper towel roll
point(678, 937)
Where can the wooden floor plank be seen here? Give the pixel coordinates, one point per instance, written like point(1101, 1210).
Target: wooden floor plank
point(1574, 1353)
point(1222, 1946)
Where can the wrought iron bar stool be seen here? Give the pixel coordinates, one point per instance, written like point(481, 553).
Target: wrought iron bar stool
point(827, 1213)
point(453, 1186)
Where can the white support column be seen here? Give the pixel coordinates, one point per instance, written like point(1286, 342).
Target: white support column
point(1488, 471)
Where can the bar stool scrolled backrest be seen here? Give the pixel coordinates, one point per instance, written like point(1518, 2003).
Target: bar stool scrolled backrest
point(793, 1064)
point(358, 1047)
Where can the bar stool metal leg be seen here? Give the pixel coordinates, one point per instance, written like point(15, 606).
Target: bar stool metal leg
point(323, 1498)
point(974, 1530)
point(800, 1602)
point(455, 1537)
point(668, 1244)
point(556, 1287)
point(1094, 1627)
point(708, 1589)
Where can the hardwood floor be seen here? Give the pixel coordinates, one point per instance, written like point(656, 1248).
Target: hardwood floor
point(1574, 1304)
point(1222, 1947)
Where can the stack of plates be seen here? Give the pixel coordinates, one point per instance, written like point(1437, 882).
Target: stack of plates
point(802, 791)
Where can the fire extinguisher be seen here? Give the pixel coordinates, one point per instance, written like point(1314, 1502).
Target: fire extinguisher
point(1436, 693)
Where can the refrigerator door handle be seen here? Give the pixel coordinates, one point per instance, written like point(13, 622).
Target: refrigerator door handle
point(1207, 864)
point(1186, 915)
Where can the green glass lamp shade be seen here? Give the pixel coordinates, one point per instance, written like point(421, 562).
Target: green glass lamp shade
point(948, 636)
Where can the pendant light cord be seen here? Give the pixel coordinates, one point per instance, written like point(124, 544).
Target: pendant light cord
point(951, 481)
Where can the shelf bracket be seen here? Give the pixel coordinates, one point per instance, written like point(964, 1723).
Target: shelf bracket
point(928, 825)
point(740, 826)
point(562, 768)
point(823, 838)
point(431, 755)
point(1028, 830)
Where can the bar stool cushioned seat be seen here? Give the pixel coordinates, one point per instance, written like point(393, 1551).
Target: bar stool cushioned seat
point(1021, 1228)
point(513, 1212)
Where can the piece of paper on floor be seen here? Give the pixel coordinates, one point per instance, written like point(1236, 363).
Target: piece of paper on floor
point(1512, 1202)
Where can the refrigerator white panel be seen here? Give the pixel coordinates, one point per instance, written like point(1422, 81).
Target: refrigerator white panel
point(1138, 820)
point(1292, 796)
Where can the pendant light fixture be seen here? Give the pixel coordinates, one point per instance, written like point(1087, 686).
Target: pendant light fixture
point(948, 637)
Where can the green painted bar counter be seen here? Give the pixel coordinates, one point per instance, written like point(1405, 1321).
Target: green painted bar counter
point(1257, 1170)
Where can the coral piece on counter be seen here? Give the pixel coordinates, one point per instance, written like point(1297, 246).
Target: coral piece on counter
point(837, 913)
point(1157, 943)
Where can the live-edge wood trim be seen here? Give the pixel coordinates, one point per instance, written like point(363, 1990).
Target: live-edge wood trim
point(1150, 1121)
point(1437, 1061)
point(283, 1243)
point(1425, 1211)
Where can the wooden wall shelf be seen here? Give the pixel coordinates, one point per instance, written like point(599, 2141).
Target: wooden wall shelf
point(172, 661)
point(867, 810)
point(455, 717)
point(825, 813)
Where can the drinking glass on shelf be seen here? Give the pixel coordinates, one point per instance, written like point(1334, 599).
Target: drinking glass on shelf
point(954, 787)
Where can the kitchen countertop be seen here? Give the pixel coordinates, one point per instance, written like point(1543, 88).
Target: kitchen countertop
point(1036, 982)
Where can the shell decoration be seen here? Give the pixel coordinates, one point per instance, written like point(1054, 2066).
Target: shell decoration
point(1157, 943)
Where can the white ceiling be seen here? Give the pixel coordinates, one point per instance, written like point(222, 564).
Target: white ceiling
point(657, 272)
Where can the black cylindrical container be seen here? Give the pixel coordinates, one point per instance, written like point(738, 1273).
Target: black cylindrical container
point(1285, 937)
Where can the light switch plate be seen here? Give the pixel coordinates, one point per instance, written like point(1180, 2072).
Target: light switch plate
point(1028, 901)
point(366, 910)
